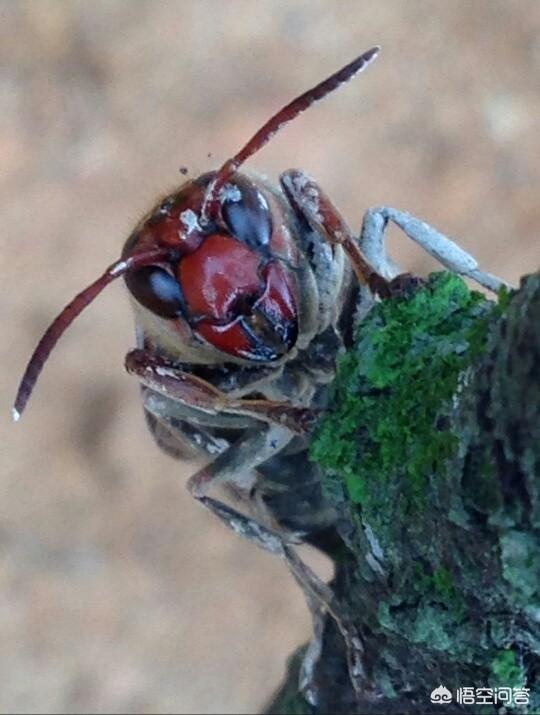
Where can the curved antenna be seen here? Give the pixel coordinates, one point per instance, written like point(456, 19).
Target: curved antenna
point(277, 122)
point(60, 324)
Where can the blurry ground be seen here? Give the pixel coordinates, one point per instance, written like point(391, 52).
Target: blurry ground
point(118, 594)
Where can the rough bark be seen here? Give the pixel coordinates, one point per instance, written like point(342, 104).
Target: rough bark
point(432, 456)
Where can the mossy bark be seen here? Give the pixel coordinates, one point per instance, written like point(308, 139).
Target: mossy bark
point(431, 454)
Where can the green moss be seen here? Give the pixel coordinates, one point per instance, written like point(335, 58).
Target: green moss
point(504, 296)
point(434, 628)
point(520, 559)
point(422, 581)
point(428, 624)
point(443, 591)
point(437, 585)
point(481, 488)
point(392, 390)
point(506, 672)
point(434, 610)
point(442, 581)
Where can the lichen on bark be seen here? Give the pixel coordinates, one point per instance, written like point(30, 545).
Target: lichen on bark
point(431, 454)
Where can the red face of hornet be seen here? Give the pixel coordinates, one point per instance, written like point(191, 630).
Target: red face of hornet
point(229, 292)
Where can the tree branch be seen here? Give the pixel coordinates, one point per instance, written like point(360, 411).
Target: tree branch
point(432, 457)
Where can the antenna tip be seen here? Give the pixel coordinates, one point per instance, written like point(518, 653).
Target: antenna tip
point(15, 414)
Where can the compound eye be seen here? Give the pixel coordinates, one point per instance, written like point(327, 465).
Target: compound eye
point(246, 213)
point(156, 290)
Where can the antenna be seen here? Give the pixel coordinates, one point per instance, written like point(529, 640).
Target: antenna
point(277, 122)
point(62, 322)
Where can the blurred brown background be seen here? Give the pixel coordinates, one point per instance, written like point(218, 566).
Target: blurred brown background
point(117, 593)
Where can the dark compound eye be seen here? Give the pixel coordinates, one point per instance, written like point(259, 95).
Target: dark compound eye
point(156, 290)
point(246, 213)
